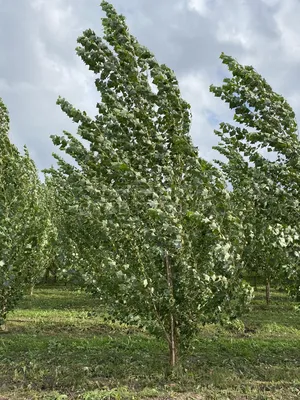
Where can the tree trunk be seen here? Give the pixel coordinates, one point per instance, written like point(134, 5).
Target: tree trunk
point(255, 282)
point(173, 351)
point(268, 291)
point(3, 310)
point(31, 289)
point(55, 275)
point(173, 344)
point(47, 275)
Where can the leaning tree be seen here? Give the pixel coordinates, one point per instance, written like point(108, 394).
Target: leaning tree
point(22, 220)
point(61, 255)
point(265, 189)
point(152, 221)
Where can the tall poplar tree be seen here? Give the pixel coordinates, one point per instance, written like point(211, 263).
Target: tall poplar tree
point(265, 189)
point(22, 220)
point(152, 221)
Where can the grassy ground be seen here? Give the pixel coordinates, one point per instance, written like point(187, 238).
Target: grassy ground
point(57, 346)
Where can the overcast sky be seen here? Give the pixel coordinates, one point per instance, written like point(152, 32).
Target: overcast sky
point(38, 62)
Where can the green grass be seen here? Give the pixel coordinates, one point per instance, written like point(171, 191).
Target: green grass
point(58, 346)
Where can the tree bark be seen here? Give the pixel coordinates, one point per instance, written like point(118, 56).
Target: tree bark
point(255, 282)
point(268, 296)
point(3, 310)
point(172, 344)
point(47, 275)
point(172, 335)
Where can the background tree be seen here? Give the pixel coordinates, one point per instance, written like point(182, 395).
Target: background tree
point(265, 190)
point(151, 220)
point(22, 220)
point(62, 262)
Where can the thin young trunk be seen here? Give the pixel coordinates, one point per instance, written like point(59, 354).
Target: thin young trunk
point(47, 275)
point(55, 275)
point(268, 291)
point(255, 282)
point(172, 338)
point(3, 310)
point(31, 289)
point(173, 344)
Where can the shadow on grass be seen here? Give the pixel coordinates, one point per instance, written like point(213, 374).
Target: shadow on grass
point(61, 298)
point(61, 348)
point(280, 312)
point(64, 361)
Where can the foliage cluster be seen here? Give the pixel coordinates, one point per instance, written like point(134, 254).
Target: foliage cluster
point(138, 218)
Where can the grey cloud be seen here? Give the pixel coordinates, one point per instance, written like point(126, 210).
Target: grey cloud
point(38, 63)
point(17, 34)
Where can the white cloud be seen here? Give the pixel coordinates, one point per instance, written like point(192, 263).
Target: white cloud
point(271, 3)
point(287, 19)
point(201, 6)
point(235, 28)
point(57, 15)
point(207, 111)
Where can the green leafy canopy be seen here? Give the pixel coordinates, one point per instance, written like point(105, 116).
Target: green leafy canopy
point(151, 220)
point(22, 220)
